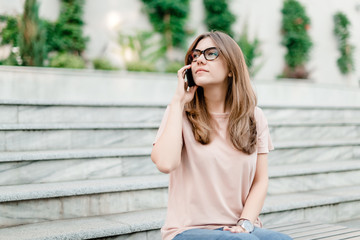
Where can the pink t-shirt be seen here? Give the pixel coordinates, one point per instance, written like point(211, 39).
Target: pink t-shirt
point(209, 188)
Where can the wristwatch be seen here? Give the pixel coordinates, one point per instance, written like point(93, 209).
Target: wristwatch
point(246, 224)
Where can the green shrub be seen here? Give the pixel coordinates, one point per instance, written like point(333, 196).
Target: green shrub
point(218, 17)
point(103, 64)
point(169, 19)
point(9, 34)
point(67, 32)
point(295, 24)
point(345, 62)
point(173, 67)
point(66, 60)
point(140, 66)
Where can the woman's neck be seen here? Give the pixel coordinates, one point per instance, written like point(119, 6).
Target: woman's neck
point(215, 100)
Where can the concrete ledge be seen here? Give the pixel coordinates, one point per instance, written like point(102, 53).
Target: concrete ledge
point(313, 168)
point(88, 228)
point(78, 126)
point(87, 103)
point(274, 203)
point(122, 224)
point(73, 154)
point(160, 104)
point(151, 125)
point(76, 188)
point(293, 201)
point(316, 144)
point(78, 85)
point(134, 152)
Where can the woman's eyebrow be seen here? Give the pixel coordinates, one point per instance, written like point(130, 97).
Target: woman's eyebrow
point(202, 50)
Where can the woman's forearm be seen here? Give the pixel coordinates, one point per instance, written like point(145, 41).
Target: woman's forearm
point(256, 198)
point(255, 201)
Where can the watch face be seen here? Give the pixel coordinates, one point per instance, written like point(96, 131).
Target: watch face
point(248, 226)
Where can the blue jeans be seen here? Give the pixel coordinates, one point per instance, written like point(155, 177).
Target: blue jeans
point(219, 234)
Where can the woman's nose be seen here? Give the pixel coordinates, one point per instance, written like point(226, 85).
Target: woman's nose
point(201, 59)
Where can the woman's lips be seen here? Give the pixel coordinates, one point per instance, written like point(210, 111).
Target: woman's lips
point(201, 70)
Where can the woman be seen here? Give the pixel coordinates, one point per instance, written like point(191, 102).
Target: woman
point(214, 141)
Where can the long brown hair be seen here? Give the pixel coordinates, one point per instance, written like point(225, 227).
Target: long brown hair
point(240, 97)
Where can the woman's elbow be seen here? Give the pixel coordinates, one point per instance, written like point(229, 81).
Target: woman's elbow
point(161, 165)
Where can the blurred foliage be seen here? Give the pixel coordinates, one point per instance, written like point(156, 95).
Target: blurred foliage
point(37, 37)
point(141, 49)
point(9, 34)
point(168, 17)
point(173, 67)
point(66, 35)
point(32, 36)
point(103, 64)
point(67, 60)
point(250, 49)
point(140, 66)
point(295, 24)
point(345, 62)
point(218, 17)
point(143, 45)
point(12, 60)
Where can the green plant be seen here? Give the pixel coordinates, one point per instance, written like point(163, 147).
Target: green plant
point(67, 60)
point(250, 49)
point(345, 62)
point(141, 50)
point(67, 34)
point(141, 45)
point(218, 17)
point(9, 34)
point(168, 17)
point(295, 24)
point(32, 36)
point(140, 66)
point(103, 64)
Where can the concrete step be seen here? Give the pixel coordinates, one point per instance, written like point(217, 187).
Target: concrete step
point(144, 225)
point(31, 203)
point(317, 230)
point(62, 200)
point(327, 205)
point(285, 178)
point(313, 176)
point(71, 165)
point(315, 130)
point(353, 223)
point(27, 111)
point(281, 131)
point(30, 137)
point(46, 111)
point(275, 114)
point(81, 164)
point(299, 152)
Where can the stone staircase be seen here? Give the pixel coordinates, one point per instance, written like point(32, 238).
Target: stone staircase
point(76, 170)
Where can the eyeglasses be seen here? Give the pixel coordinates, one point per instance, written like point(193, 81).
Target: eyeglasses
point(209, 54)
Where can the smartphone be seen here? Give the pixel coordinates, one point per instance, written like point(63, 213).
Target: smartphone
point(189, 77)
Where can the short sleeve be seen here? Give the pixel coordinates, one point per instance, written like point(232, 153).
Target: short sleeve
point(264, 142)
point(162, 125)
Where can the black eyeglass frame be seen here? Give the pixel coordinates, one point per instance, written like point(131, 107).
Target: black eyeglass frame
point(203, 53)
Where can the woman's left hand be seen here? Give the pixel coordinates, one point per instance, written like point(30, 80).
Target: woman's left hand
point(235, 229)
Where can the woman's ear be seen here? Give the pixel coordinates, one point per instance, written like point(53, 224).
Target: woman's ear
point(230, 74)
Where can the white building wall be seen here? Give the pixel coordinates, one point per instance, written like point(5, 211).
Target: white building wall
point(105, 18)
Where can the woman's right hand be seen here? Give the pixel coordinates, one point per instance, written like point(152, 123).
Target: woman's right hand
point(182, 93)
